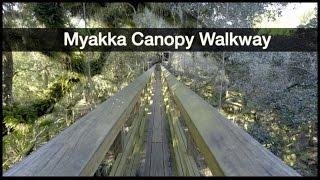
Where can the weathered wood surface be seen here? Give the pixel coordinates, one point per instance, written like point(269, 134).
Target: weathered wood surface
point(79, 149)
point(157, 147)
point(184, 162)
point(228, 150)
point(122, 166)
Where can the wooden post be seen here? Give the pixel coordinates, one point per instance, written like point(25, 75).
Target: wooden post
point(221, 83)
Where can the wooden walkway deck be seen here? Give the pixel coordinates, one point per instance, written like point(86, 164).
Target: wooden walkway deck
point(226, 148)
point(157, 146)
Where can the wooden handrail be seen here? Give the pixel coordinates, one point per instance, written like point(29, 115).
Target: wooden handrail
point(79, 149)
point(227, 149)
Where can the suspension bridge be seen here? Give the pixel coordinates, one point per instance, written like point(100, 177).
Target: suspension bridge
point(155, 126)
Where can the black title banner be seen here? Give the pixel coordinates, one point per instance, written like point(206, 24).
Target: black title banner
point(159, 39)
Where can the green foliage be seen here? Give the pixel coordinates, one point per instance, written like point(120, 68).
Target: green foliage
point(16, 125)
point(79, 63)
point(29, 112)
point(55, 92)
point(118, 14)
point(277, 31)
point(45, 122)
point(109, 14)
point(17, 112)
point(51, 14)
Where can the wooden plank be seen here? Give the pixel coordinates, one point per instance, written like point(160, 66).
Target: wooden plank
point(119, 165)
point(157, 131)
point(148, 147)
point(128, 169)
point(182, 145)
point(115, 164)
point(181, 149)
point(194, 166)
point(124, 160)
point(131, 171)
point(178, 161)
point(157, 163)
point(189, 160)
point(166, 133)
point(132, 167)
point(144, 136)
point(138, 153)
point(157, 166)
point(132, 139)
point(79, 149)
point(186, 164)
point(228, 149)
point(135, 160)
point(166, 151)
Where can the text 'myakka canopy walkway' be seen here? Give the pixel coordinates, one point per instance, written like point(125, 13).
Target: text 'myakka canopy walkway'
point(156, 126)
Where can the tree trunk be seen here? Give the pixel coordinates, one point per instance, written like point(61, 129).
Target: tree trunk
point(221, 83)
point(7, 73)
